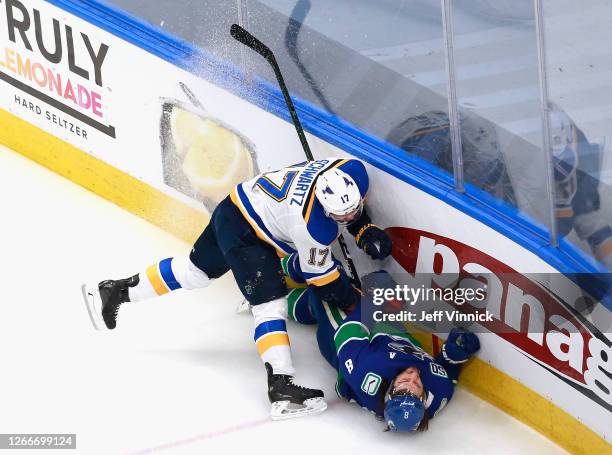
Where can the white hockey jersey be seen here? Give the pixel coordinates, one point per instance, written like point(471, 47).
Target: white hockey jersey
point(282, 208)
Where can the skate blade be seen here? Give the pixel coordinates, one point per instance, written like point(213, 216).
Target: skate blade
point(282, 410)
point(93, 303)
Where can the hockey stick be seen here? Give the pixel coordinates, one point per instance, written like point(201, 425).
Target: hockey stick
point(241, 35)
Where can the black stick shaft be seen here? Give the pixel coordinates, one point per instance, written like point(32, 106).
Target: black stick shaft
point(240, 34)
point(243, 36)
point(292, 111)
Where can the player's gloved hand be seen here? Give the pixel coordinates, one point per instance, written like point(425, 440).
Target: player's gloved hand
point(460, 345)
point(350, 307)
point(374, 241)
point(340, 292)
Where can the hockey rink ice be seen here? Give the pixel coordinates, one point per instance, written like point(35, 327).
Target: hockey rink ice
point(180, 374)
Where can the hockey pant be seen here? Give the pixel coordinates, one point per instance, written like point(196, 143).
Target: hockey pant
point(229, 243)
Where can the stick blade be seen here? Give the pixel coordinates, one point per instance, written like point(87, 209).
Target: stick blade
point(240, 34)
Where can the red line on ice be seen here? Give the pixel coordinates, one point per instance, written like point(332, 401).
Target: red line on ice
point(202, 437)
point(212, 434)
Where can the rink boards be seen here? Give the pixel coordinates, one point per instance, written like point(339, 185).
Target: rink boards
point(133, 125)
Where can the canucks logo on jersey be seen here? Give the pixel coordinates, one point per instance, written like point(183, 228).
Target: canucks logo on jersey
point(371, 383)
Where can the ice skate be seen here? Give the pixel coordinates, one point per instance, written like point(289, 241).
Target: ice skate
point(290, 400)
point(104, 299)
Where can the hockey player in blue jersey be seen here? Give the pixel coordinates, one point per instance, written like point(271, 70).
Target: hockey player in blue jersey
point(380, 367)
point(297, 209)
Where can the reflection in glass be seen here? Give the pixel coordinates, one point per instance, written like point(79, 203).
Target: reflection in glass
point(580, 114)
point(427, 136)
point(356, 60)
point(496, 69)
point(577, 170)
point(380, 67)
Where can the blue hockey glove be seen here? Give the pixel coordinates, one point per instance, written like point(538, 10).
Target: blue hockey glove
point(460, 345)
point(374, 241)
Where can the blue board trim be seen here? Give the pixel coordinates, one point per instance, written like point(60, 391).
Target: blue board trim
point(479, 205)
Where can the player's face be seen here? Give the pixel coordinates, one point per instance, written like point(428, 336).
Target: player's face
point(410, 380)
point(349, 217)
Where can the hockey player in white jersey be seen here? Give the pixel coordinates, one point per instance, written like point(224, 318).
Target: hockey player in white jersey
point(577, 162)
point(298, 209)
point(577, 172)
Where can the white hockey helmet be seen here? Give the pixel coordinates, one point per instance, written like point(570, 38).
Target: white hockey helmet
point(563, 144)
point(339, 195)
point(564, 154)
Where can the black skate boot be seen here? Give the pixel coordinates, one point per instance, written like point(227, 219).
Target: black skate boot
point(103, 303)
point(291, 400)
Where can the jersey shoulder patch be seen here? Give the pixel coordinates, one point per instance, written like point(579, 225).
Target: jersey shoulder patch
point(438, 370)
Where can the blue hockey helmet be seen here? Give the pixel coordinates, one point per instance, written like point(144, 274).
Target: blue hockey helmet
point(404, 411)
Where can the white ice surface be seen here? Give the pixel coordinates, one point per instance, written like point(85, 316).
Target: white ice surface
point(180, 375)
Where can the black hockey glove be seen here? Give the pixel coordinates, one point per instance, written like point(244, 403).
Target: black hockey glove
point(374, 241)
point(460, 345)
point(339, 292)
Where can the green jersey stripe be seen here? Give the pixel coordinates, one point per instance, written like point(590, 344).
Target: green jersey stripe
point(339, 348)
point(292, 298)
point(335, 311)
point(284, 264)
point(351, 329)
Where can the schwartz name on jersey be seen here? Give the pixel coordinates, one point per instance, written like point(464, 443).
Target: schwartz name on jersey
point(282, 208)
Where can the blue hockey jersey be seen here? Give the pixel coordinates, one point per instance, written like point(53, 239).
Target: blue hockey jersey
point(368, 361)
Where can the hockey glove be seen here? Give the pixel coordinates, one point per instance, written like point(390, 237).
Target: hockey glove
point(374, 241)
point(460, 345)
point(339, 292)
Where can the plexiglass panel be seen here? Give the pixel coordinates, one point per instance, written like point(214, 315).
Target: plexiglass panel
point(496, 66)
point(579, 72)
point(204, 23)
point(381, 67)
point(362, 61)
